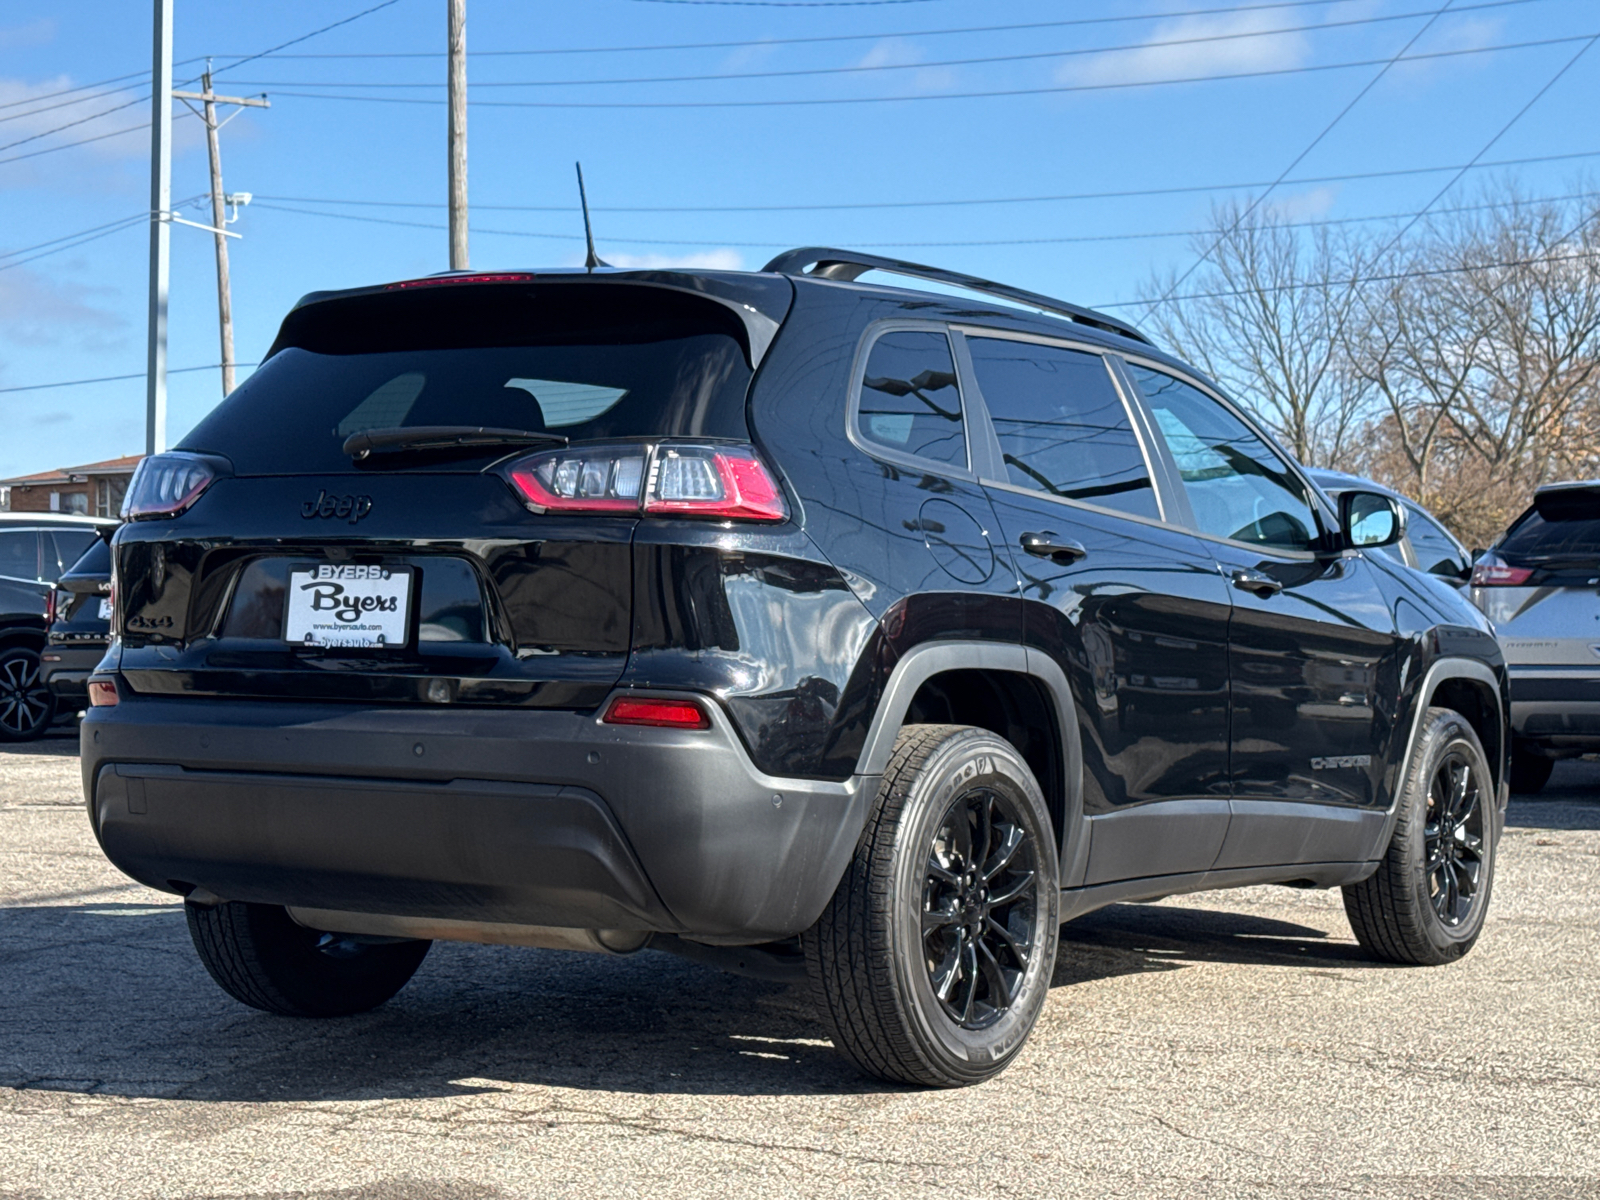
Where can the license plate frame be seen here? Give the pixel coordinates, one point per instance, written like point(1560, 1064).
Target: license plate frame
point(318, 612)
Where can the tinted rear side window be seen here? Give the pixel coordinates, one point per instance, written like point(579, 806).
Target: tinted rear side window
point(584, 361)
point(910, 401)
point(1061, 424)
point(19, 553)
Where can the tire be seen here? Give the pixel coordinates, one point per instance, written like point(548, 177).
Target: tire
point(1529, 772)
point(26, 706)
point(1425, 904)
point(901, 925)
point(261, 957)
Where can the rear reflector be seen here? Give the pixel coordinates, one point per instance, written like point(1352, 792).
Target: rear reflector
point(102, 692)
point(669, 714)
point(451, 280)
point(1489, 573)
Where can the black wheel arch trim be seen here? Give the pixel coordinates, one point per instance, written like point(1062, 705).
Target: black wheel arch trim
point(922, 662)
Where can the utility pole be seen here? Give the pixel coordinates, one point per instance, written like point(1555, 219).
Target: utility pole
point(458, 134)
point(218, 198)
point(155, 403)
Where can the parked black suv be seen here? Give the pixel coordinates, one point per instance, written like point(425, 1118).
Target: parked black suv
point(776, 619)
point(34, 549)
point(78, 620)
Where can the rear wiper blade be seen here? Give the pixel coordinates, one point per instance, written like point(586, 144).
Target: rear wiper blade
point(438, 437)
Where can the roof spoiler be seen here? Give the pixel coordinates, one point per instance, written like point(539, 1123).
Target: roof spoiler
point(825, 262)
point(1571, 501)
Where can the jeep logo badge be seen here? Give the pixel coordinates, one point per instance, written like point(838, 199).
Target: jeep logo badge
point(348, 508)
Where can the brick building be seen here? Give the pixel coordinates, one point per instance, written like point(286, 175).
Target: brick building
point(94, 488)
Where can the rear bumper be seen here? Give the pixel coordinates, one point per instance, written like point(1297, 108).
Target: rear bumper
point(66, 669)
point(524, 817)
point(1556, 710)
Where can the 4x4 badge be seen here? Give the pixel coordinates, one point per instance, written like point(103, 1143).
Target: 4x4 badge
point(350, 508)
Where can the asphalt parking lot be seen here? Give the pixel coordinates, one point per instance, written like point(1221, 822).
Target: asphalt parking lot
point(1231, 1044)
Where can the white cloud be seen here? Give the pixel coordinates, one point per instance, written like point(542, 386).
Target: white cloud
point(88, 114)
point(34, 33)
point(1304, 206)
point(711, 260)
point(1235, 54)
point(40, 311)
point(897, 52)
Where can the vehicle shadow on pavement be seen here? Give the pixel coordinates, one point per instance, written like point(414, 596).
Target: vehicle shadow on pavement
point(110, 998)
point(1127, 939)
point(1571, 800)
point(59, 741)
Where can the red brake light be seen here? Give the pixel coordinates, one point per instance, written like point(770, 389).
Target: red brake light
point(669, 714)
point(164, 485)
point(451, 280)
point(668, 479)
point(52, 605)
point(1493, 573)
point(102, 693)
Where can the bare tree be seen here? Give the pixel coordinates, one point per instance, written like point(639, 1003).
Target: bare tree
point(1265, 317)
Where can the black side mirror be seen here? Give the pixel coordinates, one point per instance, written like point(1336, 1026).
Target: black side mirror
point(1370, 519)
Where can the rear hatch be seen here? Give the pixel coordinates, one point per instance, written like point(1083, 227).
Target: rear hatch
point(350, 539)
point(81, 610)
point(1540, 583)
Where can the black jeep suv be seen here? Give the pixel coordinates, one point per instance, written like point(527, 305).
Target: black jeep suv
point(791, 623)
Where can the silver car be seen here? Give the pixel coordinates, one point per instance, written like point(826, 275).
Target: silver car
point(1540, 585)
point(1426, 545)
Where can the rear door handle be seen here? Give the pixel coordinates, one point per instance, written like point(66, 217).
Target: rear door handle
point(1255, 581)
point(1053, 546)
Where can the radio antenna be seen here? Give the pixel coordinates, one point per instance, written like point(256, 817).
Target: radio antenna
point(593, 260)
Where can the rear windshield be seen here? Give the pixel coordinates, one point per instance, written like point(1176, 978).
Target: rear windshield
point(1532, 537)
point(96, 559)
point(583, 361)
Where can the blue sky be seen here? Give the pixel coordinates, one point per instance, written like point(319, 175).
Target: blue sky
point(80, 313)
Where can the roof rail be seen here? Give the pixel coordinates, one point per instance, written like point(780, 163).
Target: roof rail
point(826, 262)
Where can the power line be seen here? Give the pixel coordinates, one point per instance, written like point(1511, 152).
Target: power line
point(93, 233)
point(1387, 277)
point(916, 66)
point(34, 112)
point(304, 37)
point(82, 87)
point(1120, 194)
point(106, 112)
point(100, 137)
point(1298, 159)
point(1033, 241)
point(1124, 18)
point(1007, 92)
point(35, 387)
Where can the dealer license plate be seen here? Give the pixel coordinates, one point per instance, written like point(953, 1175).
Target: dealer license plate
point(105, 609)
point(348, 604)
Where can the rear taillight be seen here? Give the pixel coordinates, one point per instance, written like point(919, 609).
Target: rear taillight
point(590, 479)
point(164, 485)
point(665, 479)
point(52, 606)
point(1491, 572)
point(102, 692)
point(668, 714)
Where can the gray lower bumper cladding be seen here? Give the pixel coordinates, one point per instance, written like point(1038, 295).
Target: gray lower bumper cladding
point(546, 819)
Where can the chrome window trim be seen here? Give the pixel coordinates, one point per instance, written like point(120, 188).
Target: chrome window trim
point(1136, 423)
point(858, 371)
point(1313, 494)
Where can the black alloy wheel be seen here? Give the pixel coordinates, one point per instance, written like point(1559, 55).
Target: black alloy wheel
point(26, 705)
point(1426, 902)
point(978, 909)
point(933, 960)
point(1453, 838)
